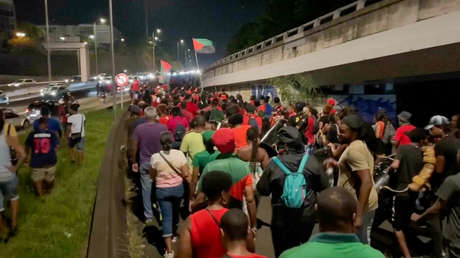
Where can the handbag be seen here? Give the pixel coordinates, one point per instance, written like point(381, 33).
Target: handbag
point(13, 154)
point(183, 210)
point(77, 136)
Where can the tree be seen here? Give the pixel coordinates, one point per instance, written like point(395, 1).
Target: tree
point(280, 16)
point(31, 41)
point(297, 87)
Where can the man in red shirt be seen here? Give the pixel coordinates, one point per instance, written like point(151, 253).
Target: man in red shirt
point(190, 106)
point(400, 137)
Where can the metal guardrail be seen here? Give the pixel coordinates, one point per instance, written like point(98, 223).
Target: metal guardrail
point(305, 28)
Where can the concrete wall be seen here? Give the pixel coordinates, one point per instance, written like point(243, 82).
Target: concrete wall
point(375, 19)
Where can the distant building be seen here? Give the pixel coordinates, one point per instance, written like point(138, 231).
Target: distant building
point(81, 33)
point(7, 18)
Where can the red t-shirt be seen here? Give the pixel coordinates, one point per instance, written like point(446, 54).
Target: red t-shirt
point(247, 256)
point(191, 107)
point(240, 136)
point(309, 132)
point(187, 115)
point(205, 234)
point(400, 135)
point(164, 120)
point(135, 86)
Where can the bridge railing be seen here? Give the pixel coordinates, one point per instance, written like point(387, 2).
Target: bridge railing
point(302, 29)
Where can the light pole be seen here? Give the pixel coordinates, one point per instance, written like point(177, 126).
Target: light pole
point(154, 44)
point(102, 21)
point(48, 41)
point(113, 62)
point(178, 44)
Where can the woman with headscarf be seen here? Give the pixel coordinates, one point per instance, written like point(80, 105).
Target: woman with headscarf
point(291, 226)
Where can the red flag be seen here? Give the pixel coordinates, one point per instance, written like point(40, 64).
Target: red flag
point(165, 66)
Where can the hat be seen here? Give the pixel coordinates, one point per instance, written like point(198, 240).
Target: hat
point(224, 140)
point(416, 134)
point(331, 101)
point(404, 116)
point(436, 121)
point(134, 109)
point(207, 135)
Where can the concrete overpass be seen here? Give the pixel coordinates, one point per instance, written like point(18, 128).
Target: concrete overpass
point(82, 55)
point(357, 43)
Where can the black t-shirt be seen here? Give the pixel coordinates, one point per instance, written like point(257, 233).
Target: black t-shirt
point(447, 147)
point(410, 163)
point(450, 192)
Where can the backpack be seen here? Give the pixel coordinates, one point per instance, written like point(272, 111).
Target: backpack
point(295, 185)
point(178, 135)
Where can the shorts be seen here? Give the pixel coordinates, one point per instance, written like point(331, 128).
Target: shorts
point(79, 144)
point(47, 174)
point(401, 210)
point(9, 191)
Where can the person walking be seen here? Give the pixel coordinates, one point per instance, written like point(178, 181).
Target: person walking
point(146, 141)
point(76, 133)
point(169, 170)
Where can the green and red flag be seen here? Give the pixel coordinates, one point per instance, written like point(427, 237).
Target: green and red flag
point(165, 67)
point(203, 46)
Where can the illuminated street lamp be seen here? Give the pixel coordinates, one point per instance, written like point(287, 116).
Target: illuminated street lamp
point(122, 40)
point(91, 36)
point(20, 34)
point(158, 31)
point(178, 45)
point(103, 20)
point(62, 38)
point(94, 37)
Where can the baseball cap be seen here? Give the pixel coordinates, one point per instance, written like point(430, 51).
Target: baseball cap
point(436, 121)
point(224, 140)
point(207, 135)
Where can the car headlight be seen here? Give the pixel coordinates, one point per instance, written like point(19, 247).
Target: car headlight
point(53, 93)
point(16, 85)
point(66, 80)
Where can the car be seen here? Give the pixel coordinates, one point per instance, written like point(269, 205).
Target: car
point(3, 98)
point(54, 92)
point(76, 78)
point(34, 109)
point(19, 121)
point(22, 82)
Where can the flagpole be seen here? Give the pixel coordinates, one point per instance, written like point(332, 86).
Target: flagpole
point(196, 58)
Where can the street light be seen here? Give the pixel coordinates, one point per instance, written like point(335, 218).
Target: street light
point(122, 40)
point(154, 44)
point(62, 38)
point(48, 40)
point(20, 34)
point(94, 37)
point(178, 44)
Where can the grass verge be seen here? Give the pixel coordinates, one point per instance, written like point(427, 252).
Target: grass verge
point(59, 226)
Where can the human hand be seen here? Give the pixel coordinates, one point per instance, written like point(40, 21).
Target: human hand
point(358, 222)
point(415, 217)
point(330, 163)
point(135, 167)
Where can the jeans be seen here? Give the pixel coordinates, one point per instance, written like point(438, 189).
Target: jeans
point(9, 191)
point(364, 233)
point(146, 182)
point(169, 199)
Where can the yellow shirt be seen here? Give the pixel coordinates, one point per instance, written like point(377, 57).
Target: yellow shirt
point(192, 144)
point(355, 158)
point(12, 131)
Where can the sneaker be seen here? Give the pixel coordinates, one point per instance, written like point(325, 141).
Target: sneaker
point(169, 255)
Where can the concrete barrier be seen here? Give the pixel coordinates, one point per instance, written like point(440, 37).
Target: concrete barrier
point(108, 226)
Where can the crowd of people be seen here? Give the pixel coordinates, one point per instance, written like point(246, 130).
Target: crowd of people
point(208, 157)
point(40, 153)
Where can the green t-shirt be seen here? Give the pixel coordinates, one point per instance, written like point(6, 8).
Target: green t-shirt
point(192, 144)
point(332, 245)
point(216, 115)
point(203, 158)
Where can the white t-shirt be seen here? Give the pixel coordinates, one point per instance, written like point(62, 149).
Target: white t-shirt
point(76, 127)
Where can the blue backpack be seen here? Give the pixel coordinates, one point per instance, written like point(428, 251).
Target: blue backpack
point(295, 185)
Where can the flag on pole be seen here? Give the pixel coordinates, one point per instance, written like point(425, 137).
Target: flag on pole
point(203, 46)
point(165, 67)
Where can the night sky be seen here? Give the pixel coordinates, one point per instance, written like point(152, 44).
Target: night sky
point(216, 20)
